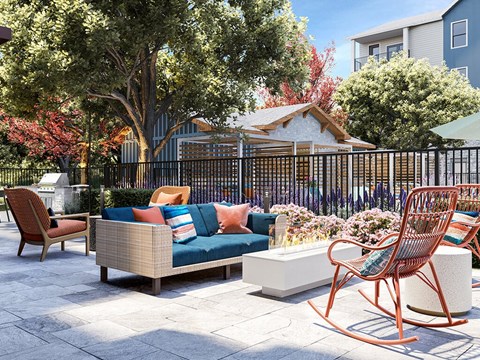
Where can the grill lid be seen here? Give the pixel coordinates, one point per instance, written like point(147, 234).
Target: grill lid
point(54, 180)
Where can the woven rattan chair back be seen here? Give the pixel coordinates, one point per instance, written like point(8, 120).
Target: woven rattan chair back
point(428, 212)
point(184, 190)
point(21, 202)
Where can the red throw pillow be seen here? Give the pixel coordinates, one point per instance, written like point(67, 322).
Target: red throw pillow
point(152, 215)
point(170, 199)
point(233, 219)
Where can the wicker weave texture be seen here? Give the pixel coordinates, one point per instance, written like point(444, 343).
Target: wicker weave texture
point(146, 249)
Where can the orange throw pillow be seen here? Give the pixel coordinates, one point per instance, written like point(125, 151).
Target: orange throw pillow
point(170, 199)
point(233, 219)
point(152, 215)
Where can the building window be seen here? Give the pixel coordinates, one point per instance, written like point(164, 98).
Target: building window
point(393, 49)
point(462, 70)
point(374, 50)
point(459, 31)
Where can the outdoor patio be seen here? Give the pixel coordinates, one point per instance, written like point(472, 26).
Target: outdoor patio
point(59, 309)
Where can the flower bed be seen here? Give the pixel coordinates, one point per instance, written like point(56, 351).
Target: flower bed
point(366, 227)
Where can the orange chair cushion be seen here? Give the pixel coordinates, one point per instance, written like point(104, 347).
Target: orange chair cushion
point(170, 199)
point(66, 227)
point(152, 215)
point(233, 219)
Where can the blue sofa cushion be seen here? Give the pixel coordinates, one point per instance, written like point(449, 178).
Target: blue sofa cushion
point(259, 223)
point(187, 255)
point(120, 214)
point(198, 220)
point(223, 246)
point(209, 215)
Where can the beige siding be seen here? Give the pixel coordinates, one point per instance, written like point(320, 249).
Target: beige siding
point(383, 45)
point(426, 41)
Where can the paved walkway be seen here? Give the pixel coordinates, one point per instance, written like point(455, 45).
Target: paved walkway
point(59, 309)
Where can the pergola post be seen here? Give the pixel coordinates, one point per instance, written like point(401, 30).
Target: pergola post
point(240, 167)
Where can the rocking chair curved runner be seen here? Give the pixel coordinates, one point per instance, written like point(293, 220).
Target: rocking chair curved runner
point(428, 212)
point(462, 232)
point(34, 223)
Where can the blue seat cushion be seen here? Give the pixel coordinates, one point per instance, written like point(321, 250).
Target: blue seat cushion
point(223, 246)
point(209, 215)
point(187, 255)
point(120, 214)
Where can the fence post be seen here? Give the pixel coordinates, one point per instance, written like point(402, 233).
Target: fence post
point(436, 170)
point(324, 184)
point(180, 173)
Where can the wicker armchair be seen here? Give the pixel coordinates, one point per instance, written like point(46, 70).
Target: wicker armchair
point(428, 212)
point(466, 221)
point(184, 190)
point(34, 223)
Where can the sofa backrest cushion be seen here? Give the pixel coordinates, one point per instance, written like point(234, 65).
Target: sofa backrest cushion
point(259, 223)
point(198, 221)
point(209, 215)
point(120, 214)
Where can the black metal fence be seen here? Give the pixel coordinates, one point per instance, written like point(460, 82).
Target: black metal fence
point(327, 183)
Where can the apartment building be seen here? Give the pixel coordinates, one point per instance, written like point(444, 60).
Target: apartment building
point(451, 35)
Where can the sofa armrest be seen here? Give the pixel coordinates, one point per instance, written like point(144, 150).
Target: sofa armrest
point(259, 222)
point(141, 248)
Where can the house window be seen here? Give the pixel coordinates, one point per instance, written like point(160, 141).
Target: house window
point(393, 49)
point(462, 70)
point(374, 50)
point(459, 31)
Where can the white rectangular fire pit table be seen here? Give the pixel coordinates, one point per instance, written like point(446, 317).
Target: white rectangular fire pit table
point(283, 272)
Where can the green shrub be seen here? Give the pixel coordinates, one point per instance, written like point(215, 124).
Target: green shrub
point(113, 198)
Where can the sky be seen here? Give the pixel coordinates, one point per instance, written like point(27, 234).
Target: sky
point(335, 20)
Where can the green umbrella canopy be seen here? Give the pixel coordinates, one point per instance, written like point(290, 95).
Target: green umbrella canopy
point(467, 128)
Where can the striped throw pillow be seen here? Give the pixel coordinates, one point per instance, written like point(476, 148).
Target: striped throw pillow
point(457, 232)
point(181, 222)
point(378, 259)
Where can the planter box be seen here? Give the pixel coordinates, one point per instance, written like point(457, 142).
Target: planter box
point(283, 272)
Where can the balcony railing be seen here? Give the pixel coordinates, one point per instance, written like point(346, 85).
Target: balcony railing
point(359, 62)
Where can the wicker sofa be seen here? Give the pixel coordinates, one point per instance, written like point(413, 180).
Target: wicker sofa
point(148, 250)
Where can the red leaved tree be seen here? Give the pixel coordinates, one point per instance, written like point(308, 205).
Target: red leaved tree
point(61, 136)
point(319, 88)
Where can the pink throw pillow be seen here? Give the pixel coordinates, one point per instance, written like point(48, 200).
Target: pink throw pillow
point(152, 215)
point(233, 219)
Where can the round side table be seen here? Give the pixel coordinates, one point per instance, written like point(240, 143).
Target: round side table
point(454, 271)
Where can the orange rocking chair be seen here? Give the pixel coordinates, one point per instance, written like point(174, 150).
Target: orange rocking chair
point(34, 223)
point(465, 224)
point(428, 212)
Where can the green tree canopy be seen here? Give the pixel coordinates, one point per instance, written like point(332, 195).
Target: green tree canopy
point(184, 58)
point(393, 104)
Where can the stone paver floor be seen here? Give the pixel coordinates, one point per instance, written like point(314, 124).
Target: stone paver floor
point(59, 309)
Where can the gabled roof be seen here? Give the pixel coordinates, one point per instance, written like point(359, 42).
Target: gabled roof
point(262, 120)
point(392, 28)
point(395, 26)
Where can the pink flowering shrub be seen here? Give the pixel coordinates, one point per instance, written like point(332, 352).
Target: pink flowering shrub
point(370, 226)
point(304, 224)
point(296, 215)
